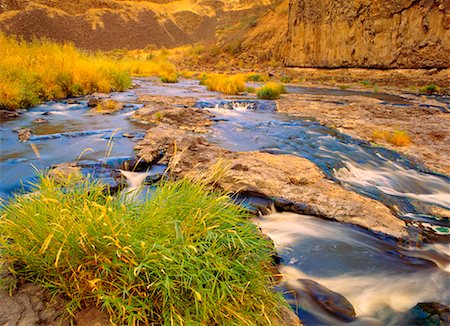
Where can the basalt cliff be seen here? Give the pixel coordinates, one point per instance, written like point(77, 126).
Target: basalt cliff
point(368, 33)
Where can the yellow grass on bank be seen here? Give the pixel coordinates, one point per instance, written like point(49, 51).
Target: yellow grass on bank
point(43, 70)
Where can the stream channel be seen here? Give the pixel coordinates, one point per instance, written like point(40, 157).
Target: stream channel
point(382, 279)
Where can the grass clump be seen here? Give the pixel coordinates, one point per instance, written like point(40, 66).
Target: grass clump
point(285, 79)
point(43, 70)
point(257, 77)
point(396, 137)
point(429, 89)
point(227, 84)
point(270, 91)
point(169, 78)
point(185, 256)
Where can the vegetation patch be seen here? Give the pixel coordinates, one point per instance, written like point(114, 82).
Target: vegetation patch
point(169, 77)
point(43, 70)
point(257, 77)
point(186, 256)
point(430, 89)
point(396, 137)
point(227, 84)
point(270, 91)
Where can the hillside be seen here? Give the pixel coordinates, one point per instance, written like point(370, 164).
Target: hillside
point(112, 24)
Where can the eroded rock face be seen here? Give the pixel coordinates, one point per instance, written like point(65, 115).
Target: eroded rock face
point(382, 33)
point(287, 178)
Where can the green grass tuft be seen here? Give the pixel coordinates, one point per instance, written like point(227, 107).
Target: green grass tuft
point(186, 256)
point(270, 91)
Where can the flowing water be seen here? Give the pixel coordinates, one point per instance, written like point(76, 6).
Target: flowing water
point(380, 279)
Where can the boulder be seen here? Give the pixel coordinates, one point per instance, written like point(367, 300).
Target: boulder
point(328, 300)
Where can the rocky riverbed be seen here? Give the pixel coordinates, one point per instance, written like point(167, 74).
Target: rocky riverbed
point(240, 146)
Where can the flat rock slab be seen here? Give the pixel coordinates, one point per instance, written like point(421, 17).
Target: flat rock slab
point(288, 177)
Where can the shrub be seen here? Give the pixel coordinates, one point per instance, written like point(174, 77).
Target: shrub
point(257, 77)
point(429, 89)
point(286, 79)
point(365, 83)
point(396, 137)
point(270, 91)
point(399, 138)
point(169, 78)
point(226, 84)
point(185, 256)
point(43, 70)
point(344, 87)
point(249, 89)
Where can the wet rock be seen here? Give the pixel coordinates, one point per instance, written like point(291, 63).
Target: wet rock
point(93, 102)
point(184, 118)
point(127, 135)
point(31, 305)
point(24, 134)
point(285, 177)
point(107, 107)
point(72, 101)
point(8, 114)
point(429, 313)
point(332, 302)
point(39, 121)
point(66, 171)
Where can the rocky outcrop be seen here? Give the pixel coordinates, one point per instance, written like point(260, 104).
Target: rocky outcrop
point(363, 33)
point(289, 179)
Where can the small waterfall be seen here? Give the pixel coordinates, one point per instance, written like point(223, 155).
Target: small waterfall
point(135, 179)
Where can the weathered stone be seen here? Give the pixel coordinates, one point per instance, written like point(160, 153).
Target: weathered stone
point(8, 114)
point(127, 135)
point(184, 118)
point(382, 33)
point(270, 175)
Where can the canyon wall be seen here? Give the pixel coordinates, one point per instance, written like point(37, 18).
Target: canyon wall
point(369, 33)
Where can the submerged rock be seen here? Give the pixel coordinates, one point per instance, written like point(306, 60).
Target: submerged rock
point(285, 178)
point(429, 314)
